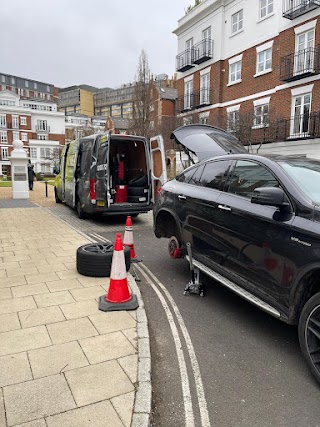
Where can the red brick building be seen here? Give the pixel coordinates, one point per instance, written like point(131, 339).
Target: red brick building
point(253, 67)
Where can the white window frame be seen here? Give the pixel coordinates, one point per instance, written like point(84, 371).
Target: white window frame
point(205, 86)
point(261, 109)
point(42, 137)
point(268, 7)
point(206, 33)
point(237, 22)
point(188, 92)
point(15, 122)
point(304, 60)
point(33, 152)
point(3, 121)
point(262, 58)
point(3, 136)
point(24, 136)
point(233, 117)
point(299, 92)
point(15, 135)
point(5, 153)
point(235, 68)
point(23, 120)
point(42, 125)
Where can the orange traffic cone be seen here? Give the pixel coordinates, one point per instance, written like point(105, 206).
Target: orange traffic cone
point(128, 240)
point(118, 296)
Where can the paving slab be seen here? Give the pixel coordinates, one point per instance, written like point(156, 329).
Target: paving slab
point(26, 290)
point(93, 292)
point(101, 414)
point(37, 398)
point(35, 423)
point(63, 285)
point(2, 410)
point(56, 359)
point(124, 406)
point(130, 366)
point(106, 347)
point(112, 321)
point(5, 293)
point(53, 298)
point(23, 339)
point(41, 316)
point(17, 304)
point(80, 309)
point(9, 322)
point(94, 383)
point(14, 369)
point(71, 330)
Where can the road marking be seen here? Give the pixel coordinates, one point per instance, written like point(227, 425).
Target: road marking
point(189, 415)
point(205, 421)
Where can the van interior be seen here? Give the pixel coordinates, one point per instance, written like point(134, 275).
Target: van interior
point(129, 180)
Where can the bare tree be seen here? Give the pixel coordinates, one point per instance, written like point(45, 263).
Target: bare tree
point(142, 98)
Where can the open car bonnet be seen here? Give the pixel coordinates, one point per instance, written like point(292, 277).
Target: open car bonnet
point(206, 141)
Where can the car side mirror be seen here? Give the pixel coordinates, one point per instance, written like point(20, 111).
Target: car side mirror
point(271, 196)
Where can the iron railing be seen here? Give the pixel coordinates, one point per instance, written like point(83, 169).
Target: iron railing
point(194, 100)
point(300, 64)
point(303, 126)
point(291, 9)
point(185, 60)
point(203, 51)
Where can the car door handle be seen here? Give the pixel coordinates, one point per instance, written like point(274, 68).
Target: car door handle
point(180, 197)
point(224, 208)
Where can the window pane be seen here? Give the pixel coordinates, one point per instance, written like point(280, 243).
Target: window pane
point(247, 176)
point(215, 174)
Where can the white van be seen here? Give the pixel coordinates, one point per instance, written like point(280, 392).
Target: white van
point(110, 174)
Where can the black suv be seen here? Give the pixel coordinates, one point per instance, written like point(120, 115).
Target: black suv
point(253, 223)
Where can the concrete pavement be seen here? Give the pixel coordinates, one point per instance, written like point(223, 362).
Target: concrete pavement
point(62, 361)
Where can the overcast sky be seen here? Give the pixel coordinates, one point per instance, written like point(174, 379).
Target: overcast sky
point(95, 42)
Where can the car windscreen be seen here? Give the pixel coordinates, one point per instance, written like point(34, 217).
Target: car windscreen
point(306, 176)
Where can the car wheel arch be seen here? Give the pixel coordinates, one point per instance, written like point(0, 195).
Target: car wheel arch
point(307, 286)
point(167, 224)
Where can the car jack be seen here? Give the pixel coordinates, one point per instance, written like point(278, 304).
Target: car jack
point(194, 286)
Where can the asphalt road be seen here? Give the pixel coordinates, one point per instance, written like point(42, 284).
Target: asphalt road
point(250, 364)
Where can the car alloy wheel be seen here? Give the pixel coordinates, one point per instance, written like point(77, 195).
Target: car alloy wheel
point(309, 334)
point(95, 259)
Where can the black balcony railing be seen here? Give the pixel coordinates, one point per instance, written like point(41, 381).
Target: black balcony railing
point(194, 100)
point(297, 65)
point(203, 51)
point(304, 126)
point(291, 9)
point(185, 60)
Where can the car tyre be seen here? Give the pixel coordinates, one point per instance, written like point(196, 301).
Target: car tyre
point(58, 200)
point(136, 191)
point(95, 259)
point(140, 181)
point(309, 334)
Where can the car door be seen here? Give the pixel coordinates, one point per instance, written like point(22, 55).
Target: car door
point(254, 237)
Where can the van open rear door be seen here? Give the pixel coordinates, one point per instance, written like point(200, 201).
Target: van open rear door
point(158, 163)
point(102, 185)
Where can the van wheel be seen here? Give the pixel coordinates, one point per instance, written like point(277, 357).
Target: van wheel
point(58, 200)
point(81, 213)
point(309, 334)
point(95, 259)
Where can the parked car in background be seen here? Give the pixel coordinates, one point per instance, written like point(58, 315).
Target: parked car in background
point(253, 223)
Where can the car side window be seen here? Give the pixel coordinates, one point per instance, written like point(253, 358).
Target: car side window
point(185, 176)
point(215, 174)
point(195, 179)
point(247, 176)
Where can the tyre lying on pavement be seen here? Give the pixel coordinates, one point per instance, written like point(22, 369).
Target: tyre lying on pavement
point(95, 259)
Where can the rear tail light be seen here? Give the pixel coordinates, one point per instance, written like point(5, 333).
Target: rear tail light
point(93, 196)
point(159, 191)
